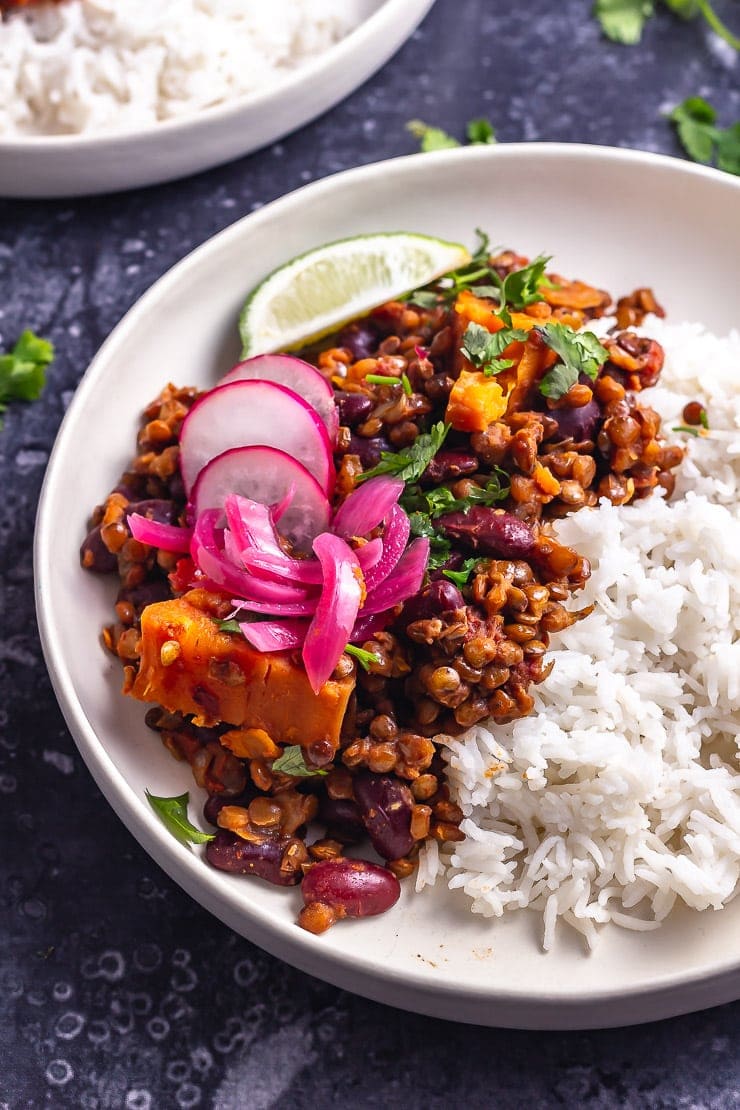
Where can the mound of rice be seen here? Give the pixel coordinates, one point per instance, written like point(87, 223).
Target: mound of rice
point(93, 65)
point(621, 793)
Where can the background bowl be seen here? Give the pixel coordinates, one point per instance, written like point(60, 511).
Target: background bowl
point(616, 218)
point(77, 165)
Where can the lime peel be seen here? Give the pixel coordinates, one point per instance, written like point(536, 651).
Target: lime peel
point(319, 291)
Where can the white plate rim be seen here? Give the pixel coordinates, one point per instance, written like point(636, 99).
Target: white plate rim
point(286, 941)
point(381, 19)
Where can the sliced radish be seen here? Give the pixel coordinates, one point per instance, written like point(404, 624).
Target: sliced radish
point(265, 474)
point(255, 413)
point(294, 374)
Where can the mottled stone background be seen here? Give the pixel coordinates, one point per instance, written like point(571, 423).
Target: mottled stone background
point(116, 990)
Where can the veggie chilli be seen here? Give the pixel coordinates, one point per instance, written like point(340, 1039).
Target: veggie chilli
point(329, 565)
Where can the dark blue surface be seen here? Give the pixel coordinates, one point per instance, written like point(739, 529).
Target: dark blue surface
point(115, 989)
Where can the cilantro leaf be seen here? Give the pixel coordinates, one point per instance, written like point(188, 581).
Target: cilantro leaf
point(461, 577)
point(173, 813)
point(291, 762)
point(424, 299)
point(623, 20)
point(431, 138)
point(728, 149)
point(581, 353)
point(480, 131)
point(228, 626)
point(522, 287)
point(482, 248)
point(410, 463)
point(484, 348)
point(695, 121)
point(23, 369)
point(364, 658)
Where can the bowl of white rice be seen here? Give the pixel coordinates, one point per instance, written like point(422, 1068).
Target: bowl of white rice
point(100, 95)
point(597, 883)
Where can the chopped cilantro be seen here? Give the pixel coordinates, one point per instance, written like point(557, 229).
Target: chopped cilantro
point(291, 762)
point(480, 132)
point(461, 577)
point(686, 428)
point(704, 419)
point(484, 348)
point(430, 138)
point(364, 658)
point(382, 379)
point(580, 352)
point(623, 20)
point(522, 287)
point(228, 626)
point(695, 121)
point(424, 299)
point(23, 369)
point(173, 813)
point(425, 505)
point(410, 463)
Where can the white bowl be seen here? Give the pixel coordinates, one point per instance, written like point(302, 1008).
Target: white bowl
point(78, 165)
point(617, 218)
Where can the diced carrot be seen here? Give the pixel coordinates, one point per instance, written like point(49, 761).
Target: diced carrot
point(546, 480)
point(475, 401)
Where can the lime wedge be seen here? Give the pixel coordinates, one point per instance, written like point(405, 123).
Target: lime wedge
point(319, 291)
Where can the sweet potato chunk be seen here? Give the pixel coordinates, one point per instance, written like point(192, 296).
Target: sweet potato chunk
point(218, 676)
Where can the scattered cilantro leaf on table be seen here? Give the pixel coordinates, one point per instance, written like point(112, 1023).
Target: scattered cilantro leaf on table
point(479, 132)
point(580, 352)
point(623, 20)
point(173, 813)
point(695, 121)
point(23, 369)
point(291, 762)
point(410, 463)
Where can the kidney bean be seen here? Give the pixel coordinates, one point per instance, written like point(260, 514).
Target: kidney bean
point(438, 597)
point(577, 424)
point(490, 531)
point(354, 408)
point(276, 859)
point(95, 556)
point(386, 806)
point(447, 465)
point(360, 339)
point(368, 449)
point(342, 818)
point(351, 887)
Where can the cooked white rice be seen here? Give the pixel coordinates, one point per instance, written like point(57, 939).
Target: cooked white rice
point(93, 65)
point(621, 793)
